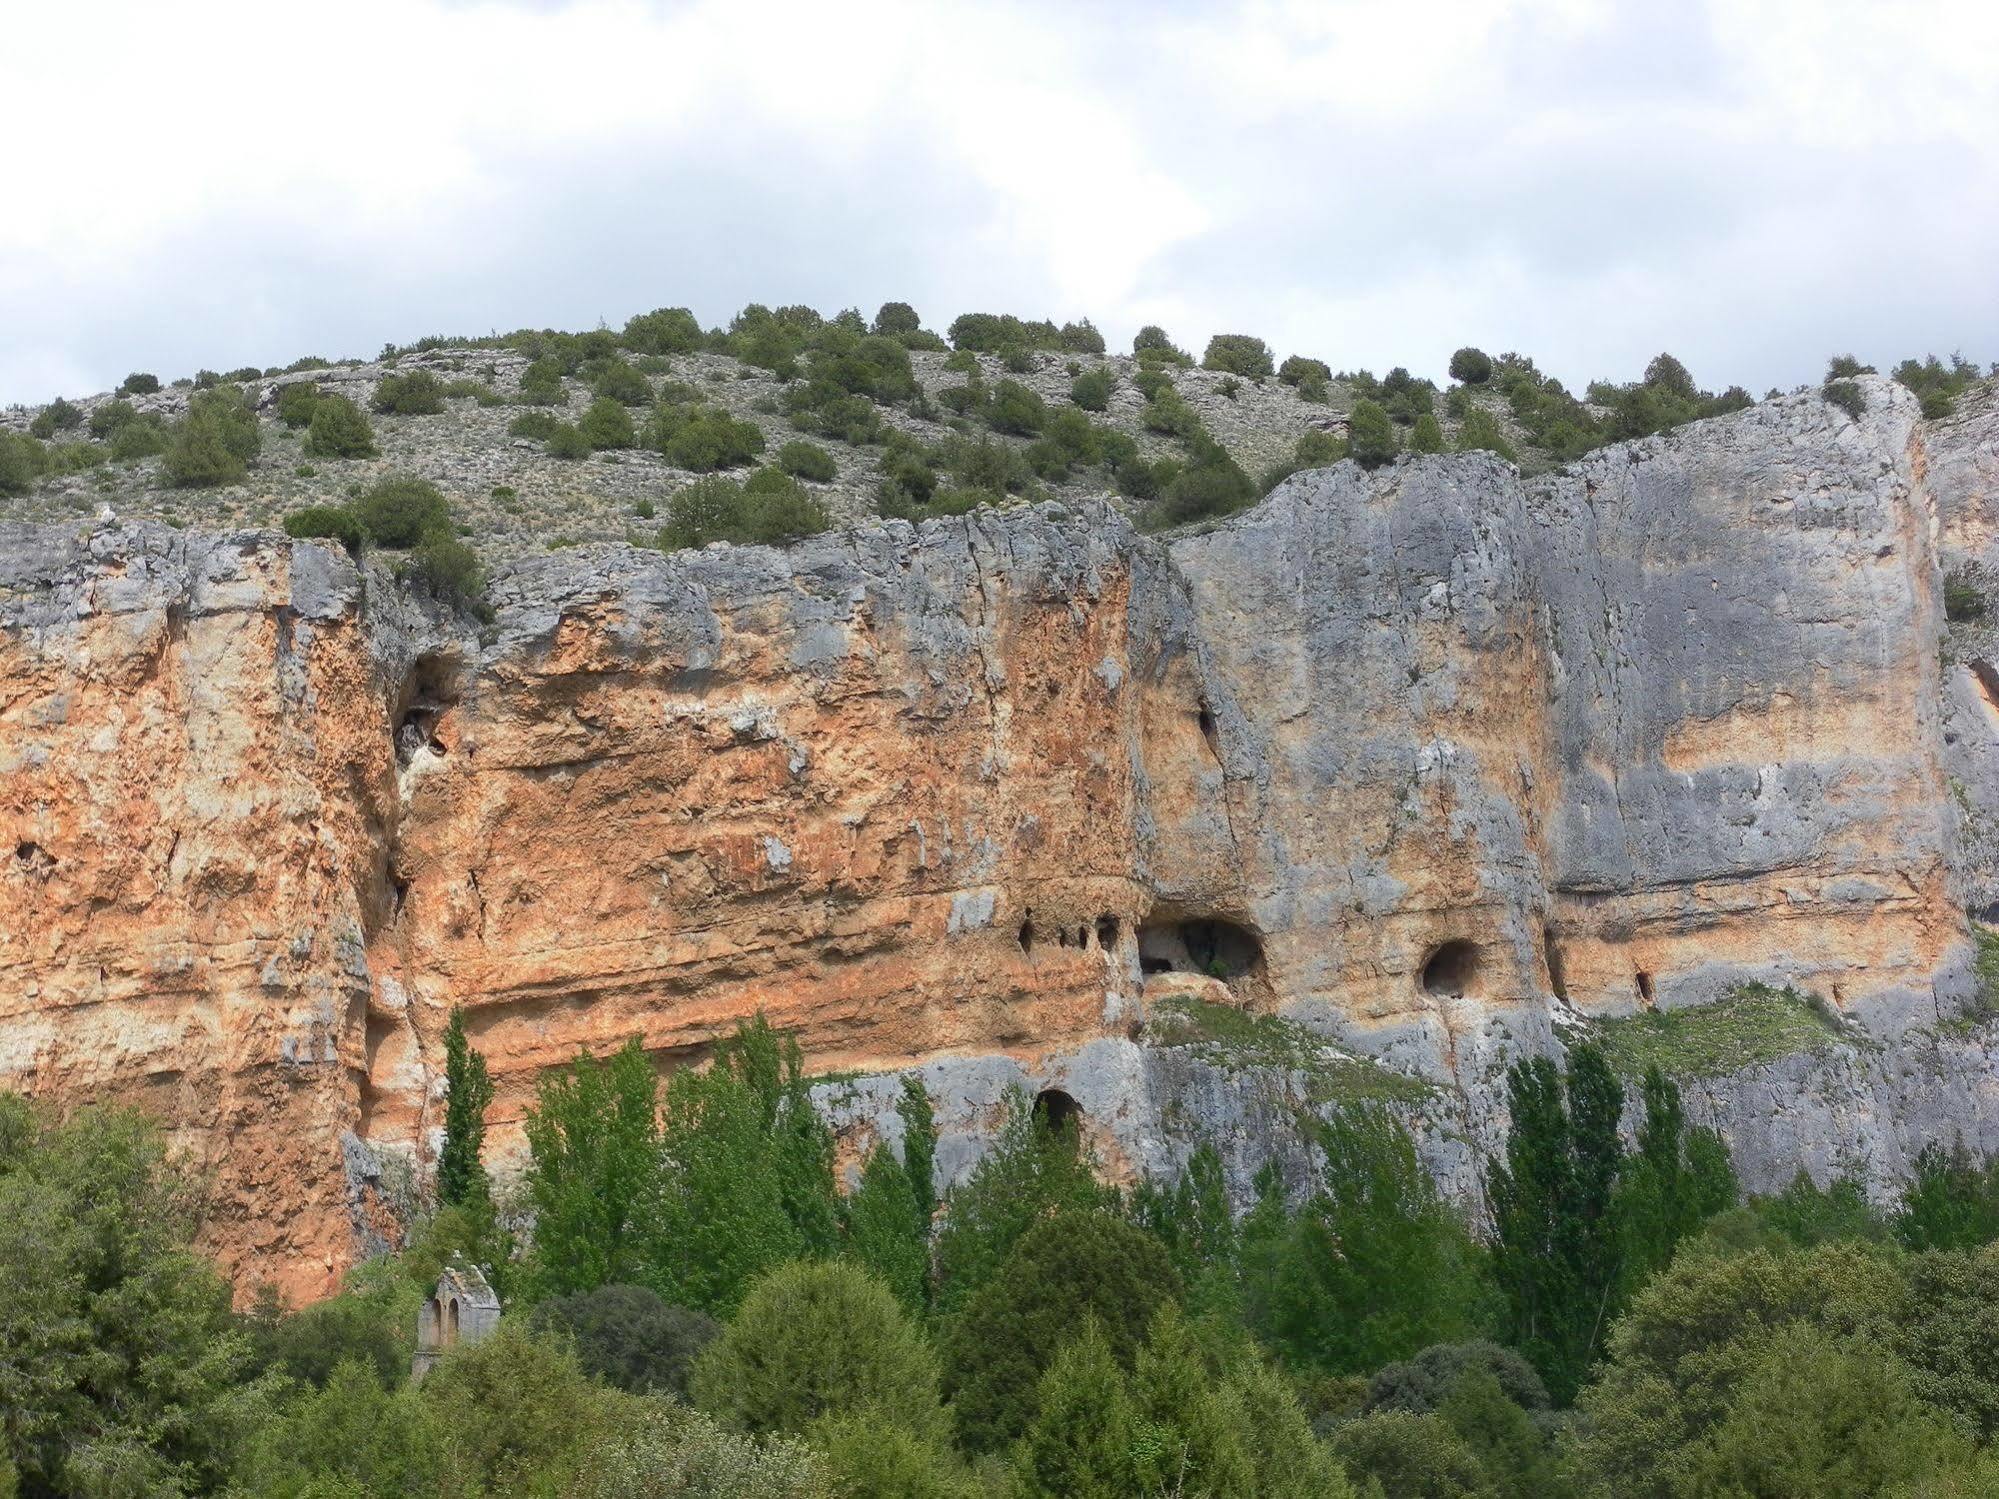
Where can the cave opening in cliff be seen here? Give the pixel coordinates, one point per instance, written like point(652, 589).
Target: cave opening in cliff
point(1027, 935)
point(1206, 718)
point(1645, 996)
point(1213, 945)
point(1558, 978)
point(1452, 969)
point(1107, 932)
point(428, 690)
point(1058, 1113)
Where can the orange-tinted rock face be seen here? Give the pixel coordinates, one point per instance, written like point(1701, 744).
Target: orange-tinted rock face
point(952, 798)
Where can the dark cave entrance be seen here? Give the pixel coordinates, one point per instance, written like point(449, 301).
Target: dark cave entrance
point(1212, 945)
point(1452, 969)
point(1057, 1113)
point(430, 688)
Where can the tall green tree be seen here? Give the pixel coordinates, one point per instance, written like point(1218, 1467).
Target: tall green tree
point(1953, 1202)
point(1030, 1172)
point(1675, 1181)
point(461, 1175)
point(1373, 1268)
point(119, 1361)
point(746, 1173)
point(593, 1138)
point(1556, 1242)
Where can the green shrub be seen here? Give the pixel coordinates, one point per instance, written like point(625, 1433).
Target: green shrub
point(140, 385)
point(627, 1337)
point(401, 511)
point(327, 522)
point(1015, 409)
point(58, 416)
point(448, 567)
point(1067, 1269)
point(670, 1452)
point(536, 426)
point(606, 424)
point(895, 319)
point(1936, 384)
point(1092, 389)
point(1081, 338)
point(1370, 435)
point(1410, 1457)
point(419, 393)
point(1427, 436)
point(214, 443)
point(702, 438)
point(338, 429)
point(295, 403)
point(819, 1340)
point(110, 416)
point(1316, 389)
point(541, 384)
point(719, 509)
point(568, 442)
point(140, 438)
point(1297, 369)
point(620, 382)
point(22, 462)
point(1168, 414)
point(1471, 366)
point(1002, 333)
point(1845, 367)
point(806, 460)
point(1481, 430)
point(665, 330)
point(206, 379)
point(1153, 347)
point(76, 457)
point(1962, 598)
point(1238, 354)
point(1211, 483)
point(1847, 396)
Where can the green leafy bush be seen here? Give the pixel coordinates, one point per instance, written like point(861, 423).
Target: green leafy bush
point(448, 567)
point(1471, 366)
point(1936, 384)
point(58, 416)
point(702, 438)
point(22, 462)
point(419, 393)
point(895, 319)
point(1211, 483)
point(1297, 369)
point(1845, 367)
point(541, 384)
point(140, 438)
point(327, 522)
point(620, 382)
point(1427, 436)
point(819, 1340)
point(568, 442)
point(1092, 389)
point(1064, 1270)
point(629, 1338)
point(401, 511)
point(1847, 396)
point(110, 416)
point(1153, 347)
point(140, 385)
point(1481, 430)
point(1015, 409)
point(806, 460)
point(214, 443)
point(295, 403)
point(1371, 438)
point(719, 509)
point(338, 429)
point(665, 330)
point(606, 424)
point(1238, 354)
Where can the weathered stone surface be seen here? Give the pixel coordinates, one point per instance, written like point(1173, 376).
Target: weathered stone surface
point(953, 797)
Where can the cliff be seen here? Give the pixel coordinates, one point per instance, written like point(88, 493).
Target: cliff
point(1366, 790)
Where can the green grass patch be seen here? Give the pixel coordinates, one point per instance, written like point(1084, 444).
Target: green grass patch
point(1239, 1038)
point(1753, 1024)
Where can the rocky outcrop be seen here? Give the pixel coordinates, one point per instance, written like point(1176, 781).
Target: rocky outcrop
point(1419, 767)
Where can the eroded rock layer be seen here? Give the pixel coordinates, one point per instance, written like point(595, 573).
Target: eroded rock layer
point(1430, 761)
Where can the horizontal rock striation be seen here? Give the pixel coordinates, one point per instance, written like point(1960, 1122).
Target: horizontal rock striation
point(1428, 765)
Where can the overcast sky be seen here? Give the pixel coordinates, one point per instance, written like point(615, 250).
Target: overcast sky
point(1750, 185)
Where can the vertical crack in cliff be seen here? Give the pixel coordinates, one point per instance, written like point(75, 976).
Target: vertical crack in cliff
point(990, 669)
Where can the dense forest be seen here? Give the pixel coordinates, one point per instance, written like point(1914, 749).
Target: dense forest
point(693, 1306)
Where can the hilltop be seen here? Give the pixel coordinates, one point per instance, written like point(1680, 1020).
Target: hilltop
point(540, 439)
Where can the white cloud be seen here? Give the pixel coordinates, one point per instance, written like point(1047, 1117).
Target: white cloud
point(1751, 184)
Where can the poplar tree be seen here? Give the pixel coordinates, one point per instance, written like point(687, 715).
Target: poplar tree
point(461, 1178)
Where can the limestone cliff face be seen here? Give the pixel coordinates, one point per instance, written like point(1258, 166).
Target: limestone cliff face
point(1431, 761)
